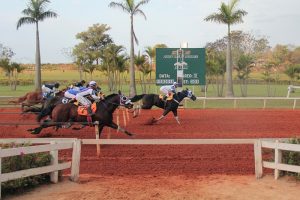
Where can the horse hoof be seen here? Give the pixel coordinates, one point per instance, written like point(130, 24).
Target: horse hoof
point(153, 120)
point(33, 132)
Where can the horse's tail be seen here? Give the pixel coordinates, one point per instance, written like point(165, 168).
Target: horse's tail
point(137, 97)
point(20, 99)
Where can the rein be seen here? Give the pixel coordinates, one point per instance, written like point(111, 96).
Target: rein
point(175, 101)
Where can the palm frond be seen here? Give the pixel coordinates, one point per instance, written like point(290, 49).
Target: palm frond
point(215, 17)
point(25, 20)
point(119, 5)
point(141, 3)
point(138, 11)
point(47, 14)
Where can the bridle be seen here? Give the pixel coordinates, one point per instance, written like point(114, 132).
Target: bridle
point(123, 101)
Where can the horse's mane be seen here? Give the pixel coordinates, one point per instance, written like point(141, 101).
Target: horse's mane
point(110, 96)
point(182, 91)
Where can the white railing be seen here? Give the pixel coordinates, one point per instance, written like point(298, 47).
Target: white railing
point(236, 99)
point(54, 146)
point(65, 143)
point(277, 164)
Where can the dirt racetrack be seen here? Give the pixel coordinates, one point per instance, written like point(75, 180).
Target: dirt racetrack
point(171, 160)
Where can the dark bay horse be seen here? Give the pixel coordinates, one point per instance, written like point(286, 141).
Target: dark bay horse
point(64, 114)
point(149, 100)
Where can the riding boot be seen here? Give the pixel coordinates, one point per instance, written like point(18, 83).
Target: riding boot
point(89, 115)
point(89, 110)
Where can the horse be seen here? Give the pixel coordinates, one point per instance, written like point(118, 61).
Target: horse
point(30, 99)
point(45, 102)
point(50, 104)
point(64, 114)
point(149, 100)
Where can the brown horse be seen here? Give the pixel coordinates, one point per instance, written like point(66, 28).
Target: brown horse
point(29, 99)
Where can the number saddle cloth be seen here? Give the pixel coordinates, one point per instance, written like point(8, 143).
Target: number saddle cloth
point(170, 96)
point(82, 110)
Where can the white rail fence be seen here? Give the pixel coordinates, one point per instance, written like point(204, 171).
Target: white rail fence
point(277, 165)
point(75, 144)
point(238, 99)
point(53, 147)
point(234, 99)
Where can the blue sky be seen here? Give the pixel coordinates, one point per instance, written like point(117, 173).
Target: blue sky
point(168, 21)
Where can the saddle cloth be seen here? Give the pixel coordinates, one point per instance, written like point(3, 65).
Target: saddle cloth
point(170, 97)
point(83, 111)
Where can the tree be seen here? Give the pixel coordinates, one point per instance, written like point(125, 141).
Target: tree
point(111, 62)
point(243, 68)
point(11, 69)
point(216, 65)
point(33, 14)
point(228, 14)
point(293, 72)
point(144, 68)
point(132, 8)
point(88, 52)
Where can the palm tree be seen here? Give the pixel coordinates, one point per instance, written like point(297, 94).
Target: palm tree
point(228, 14)
point(132, 8)
point(34, 13)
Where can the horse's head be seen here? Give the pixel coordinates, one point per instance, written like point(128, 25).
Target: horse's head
point(119, 100)
point(125, 101)
point(189, 94)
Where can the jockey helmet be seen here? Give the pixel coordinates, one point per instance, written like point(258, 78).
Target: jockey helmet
point(175, 84)
point(93, 84)
point(82, 82)
point(56, 85)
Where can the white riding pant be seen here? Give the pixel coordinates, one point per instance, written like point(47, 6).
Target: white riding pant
point(84, 101)
point(45, 89)
point(165, 91)
point(69, 95)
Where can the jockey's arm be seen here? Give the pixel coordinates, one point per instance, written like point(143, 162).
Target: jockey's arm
point(93, 94)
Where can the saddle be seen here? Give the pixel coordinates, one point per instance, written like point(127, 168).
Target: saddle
point(82, 110)
point(170, 97)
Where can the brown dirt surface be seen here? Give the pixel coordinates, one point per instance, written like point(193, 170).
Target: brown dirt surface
point(128, 168)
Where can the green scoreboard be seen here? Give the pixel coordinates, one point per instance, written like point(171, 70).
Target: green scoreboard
point(185, 66)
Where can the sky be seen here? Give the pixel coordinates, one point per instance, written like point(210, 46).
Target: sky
point(168, 21)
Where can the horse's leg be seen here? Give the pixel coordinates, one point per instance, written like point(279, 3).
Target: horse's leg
point(100, 128)
point(115, 126)
point(175, 115)
point(44, 124)
point(161, 117)
point(136, 111)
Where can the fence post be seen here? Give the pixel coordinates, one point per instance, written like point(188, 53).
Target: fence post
point(118, 121)
point(258, 159)
point(124, 117)
point(265, 102)
point(234, 103)
point(294, 106)
point(204, 104)
point(97, 137)
point(75, 160)
point(278, 160)
point(54, 162)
